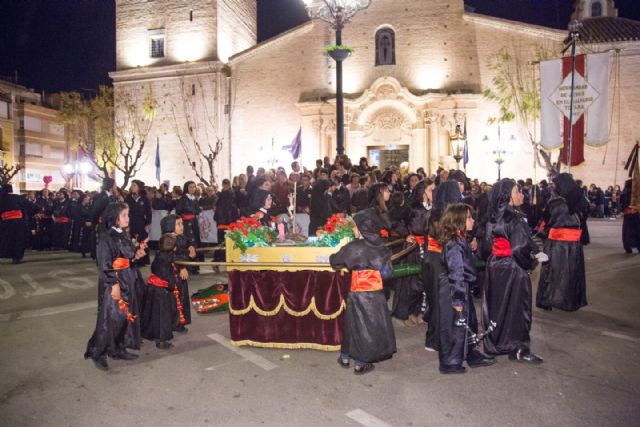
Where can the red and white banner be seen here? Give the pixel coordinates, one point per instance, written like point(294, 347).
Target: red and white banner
point(590, 104)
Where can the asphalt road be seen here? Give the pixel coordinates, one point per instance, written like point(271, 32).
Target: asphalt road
point(591, 374)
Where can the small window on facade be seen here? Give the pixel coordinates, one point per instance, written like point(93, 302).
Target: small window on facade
point(156, 43)
point(596, 9)
point(385, 47)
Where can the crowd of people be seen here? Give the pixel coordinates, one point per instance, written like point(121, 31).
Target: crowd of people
point(475, 241)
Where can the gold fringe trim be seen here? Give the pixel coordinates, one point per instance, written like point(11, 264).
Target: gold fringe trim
point(311, 308)
point(289, 346)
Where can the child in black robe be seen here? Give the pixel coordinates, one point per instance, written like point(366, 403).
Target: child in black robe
point(456, 302)
point(117, 325)
point(507, 295)
point(159, 312)
point(368, 334)
point(184, 252)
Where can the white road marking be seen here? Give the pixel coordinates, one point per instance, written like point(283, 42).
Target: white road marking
point(366, 419)
point(6, 290)
point(245, 354)
point(38, 290)
point(49, 311)
point(621, 336)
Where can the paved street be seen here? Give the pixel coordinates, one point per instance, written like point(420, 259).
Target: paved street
point(47, 312)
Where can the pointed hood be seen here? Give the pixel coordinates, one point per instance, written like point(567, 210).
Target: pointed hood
point(369, 223)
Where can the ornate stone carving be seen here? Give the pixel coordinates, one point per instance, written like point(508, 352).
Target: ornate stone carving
point(385, 92)
point(430, 117)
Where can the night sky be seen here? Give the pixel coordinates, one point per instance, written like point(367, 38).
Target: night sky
point(56, 45)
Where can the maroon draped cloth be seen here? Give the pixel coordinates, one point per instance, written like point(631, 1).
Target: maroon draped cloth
point(328, 290)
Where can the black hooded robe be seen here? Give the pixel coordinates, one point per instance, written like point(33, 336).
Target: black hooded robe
point(630, 221)
point(457, 275)
point(446, 193)
point(562, 280)
point(114, 333)
point(13, 223)
point(408, 295)
point(507, 294)
point(368, 334)
point(159, 311)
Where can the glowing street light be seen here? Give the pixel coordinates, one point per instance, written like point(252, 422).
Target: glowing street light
point(337, 13)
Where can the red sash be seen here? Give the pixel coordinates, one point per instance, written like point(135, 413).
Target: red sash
point(419, 240)
point(120, 264)
point(158, 282)
point(366, 281)
point(17, 214)
point(187, 217)
point(61, 219)
point(433, 245)
point(565, 234)
point(176, 294)
point(501, 247)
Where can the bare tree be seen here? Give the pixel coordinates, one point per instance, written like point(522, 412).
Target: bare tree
point(8, 172)
point(515, 88)
point(203, 131)
point(112, 140)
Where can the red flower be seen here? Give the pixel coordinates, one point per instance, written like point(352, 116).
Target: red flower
point(330, 228)
point(384, 233)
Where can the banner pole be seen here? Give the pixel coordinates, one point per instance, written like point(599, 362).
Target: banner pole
point(574, 30)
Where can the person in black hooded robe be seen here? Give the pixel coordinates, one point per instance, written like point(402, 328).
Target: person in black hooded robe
point(139, 214)
point(456, 309)
point(185, 251)
point(188, 209)
point(14, 211)
point(562, 280)
point(320, 206)
point(117, 323)
point(61, 221)
point(368, 334)
point(507, 294)
point(159, 311)
point(98, 207)
point(408, 290)
point(446, 193)
point(630, 220)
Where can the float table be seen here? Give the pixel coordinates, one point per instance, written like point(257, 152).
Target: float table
point(286, 307)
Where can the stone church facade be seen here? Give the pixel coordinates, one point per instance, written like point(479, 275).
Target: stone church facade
point(418, 70)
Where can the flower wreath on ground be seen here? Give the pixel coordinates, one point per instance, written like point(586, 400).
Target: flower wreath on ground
point(249, 232)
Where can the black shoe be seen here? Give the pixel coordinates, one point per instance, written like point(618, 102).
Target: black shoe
point(343, 363)
point(181, 329)
point(446, 370)
point(164, 345)
point(475, 359)
point(525, 356)
point(101, 363)
point(361, 370)
point(125, 355)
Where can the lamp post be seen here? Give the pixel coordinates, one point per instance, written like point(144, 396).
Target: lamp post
point(77, 170)
point(457, 141)
point(337, 13)
point(498, 152)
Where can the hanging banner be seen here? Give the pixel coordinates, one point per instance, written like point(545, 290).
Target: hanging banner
point(590, 104)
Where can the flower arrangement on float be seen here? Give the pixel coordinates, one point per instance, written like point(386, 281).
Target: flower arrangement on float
point(249, 232)
point(337, 228)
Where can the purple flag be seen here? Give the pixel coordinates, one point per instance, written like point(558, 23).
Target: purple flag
point(296, 145)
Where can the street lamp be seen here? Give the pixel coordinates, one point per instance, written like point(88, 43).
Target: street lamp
point(457, 141)
point(498, 152)
point(77, 170)
point(337, 13)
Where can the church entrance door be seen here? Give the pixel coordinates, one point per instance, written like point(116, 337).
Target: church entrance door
point(387, 156)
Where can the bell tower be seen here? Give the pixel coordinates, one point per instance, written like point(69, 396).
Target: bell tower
point(586, 9)
point(166, 32)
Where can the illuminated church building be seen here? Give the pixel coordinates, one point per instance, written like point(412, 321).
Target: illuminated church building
point(418, 69)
